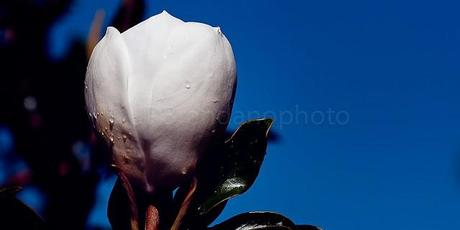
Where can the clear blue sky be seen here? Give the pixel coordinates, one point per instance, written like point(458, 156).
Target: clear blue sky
point(393, 67)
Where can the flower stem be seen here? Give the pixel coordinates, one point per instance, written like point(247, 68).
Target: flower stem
point(132, 201)
point(152, 219)
point(185, 205)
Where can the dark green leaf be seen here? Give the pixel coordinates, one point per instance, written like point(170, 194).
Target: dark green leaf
point(256, 220)
point(244, 152)
point(231, 168)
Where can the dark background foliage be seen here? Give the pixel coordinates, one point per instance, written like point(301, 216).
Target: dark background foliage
point(42, 108)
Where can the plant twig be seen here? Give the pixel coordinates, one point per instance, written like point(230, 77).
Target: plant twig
point(152, 218)
point(134, 219)
point(185, 205)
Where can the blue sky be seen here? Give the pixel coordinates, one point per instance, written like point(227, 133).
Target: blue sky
point(390, 67)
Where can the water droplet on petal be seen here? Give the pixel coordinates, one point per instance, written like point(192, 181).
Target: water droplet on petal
point(111, 122)
point(125, 138)
point(218, 30)
point(188, 86)
point(126, 158)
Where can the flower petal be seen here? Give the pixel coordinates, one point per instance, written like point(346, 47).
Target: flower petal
point(183, 82)
point(107, 81)
point(107, 77)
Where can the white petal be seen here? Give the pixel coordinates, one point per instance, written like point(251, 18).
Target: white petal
point(107, 77)
point(184, 79)
point(170, 82)
point(107, 80)
point(146, 43)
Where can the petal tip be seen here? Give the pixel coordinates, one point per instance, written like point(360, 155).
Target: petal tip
point(163, 17)
point(165, 13)
point(111, 31)
point(218, 30)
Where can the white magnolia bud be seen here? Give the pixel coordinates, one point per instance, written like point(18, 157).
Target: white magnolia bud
point(158, 93)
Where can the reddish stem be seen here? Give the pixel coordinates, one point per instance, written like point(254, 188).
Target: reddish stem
point(132, 200)
point(185, 204)
point(152, 218)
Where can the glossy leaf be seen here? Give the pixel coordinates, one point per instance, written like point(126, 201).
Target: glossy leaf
point(231, 168)
point(244, 151)
point(259, 221)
